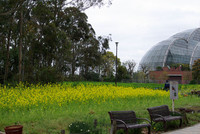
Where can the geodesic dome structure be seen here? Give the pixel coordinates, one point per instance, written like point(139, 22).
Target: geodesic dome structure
point(181, 48)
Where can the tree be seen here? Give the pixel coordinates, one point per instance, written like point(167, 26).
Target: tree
point(159, 68)
point(145, 70)
point(82, 38)
point(8, 32)
point(48, 35)
point(104, 43)
point(196, 70)
point(130, 66)
point(90, 56)
point(85, 4)
point(122, 73)
point(20, 41)
point(108, 64)
point(138, 76)
point(184, 67)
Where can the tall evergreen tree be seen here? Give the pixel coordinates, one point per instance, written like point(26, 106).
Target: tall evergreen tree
point(44, 36)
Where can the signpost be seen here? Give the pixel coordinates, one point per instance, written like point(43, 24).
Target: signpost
point(173, 92)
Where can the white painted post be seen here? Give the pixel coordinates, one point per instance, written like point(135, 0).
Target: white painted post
point(173, 92)
point(172, 105)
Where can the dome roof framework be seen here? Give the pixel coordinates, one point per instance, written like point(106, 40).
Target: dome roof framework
point(181, 48)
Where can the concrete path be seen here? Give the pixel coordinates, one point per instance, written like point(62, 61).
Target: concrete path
point(188, 130)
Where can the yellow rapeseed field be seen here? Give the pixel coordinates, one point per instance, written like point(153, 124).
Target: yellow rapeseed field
point(23, 96)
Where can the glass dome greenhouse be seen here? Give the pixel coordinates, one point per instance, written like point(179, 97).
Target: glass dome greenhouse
point(181, 48)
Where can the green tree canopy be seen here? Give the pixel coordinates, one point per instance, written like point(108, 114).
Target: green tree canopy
point(196, 70)
point(41, 36)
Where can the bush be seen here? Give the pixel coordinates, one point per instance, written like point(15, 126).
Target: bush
point(193, 82)
point(80, 127)
point(159, 68)
point(109, 79)
point(74, 78)
point(92, 76)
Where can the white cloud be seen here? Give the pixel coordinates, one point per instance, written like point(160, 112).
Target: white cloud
point(139, 24)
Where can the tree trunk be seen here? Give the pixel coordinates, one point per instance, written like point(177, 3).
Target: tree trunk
point(7, 57)
point(73, 63)
point(20, 45)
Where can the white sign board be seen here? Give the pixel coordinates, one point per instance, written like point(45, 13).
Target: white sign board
point(173, 90)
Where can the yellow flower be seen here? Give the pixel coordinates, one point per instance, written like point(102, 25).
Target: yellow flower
point(57, 94)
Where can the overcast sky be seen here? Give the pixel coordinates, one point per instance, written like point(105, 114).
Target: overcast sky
point(140, 24)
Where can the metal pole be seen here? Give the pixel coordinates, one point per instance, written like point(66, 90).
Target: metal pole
point(173, 105)
point(116, 64)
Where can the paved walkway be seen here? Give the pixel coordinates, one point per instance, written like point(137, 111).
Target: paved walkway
point(188, 130)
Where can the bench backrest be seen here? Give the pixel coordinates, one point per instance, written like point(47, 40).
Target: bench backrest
point(161, 110)
point(126, 116)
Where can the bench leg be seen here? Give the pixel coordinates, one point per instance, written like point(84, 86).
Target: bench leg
point(165, 126)
point(180, 123)
point(126, 131)
point(185, 119)
point(149, 130)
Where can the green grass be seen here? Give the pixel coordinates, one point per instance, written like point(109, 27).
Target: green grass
point(134, 85)
point(54, 119)
point(36, 121)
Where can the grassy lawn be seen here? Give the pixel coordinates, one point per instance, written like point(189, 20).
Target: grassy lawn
point(51, 108)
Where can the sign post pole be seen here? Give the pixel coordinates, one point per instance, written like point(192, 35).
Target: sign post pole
point(172, 105)
point(173, 92)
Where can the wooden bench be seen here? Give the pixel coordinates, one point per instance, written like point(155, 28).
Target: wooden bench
point(162, 114)
point(126, 120)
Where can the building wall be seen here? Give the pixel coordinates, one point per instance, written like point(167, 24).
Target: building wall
point(183, 77)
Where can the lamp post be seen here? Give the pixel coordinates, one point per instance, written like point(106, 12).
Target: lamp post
point(116, 64)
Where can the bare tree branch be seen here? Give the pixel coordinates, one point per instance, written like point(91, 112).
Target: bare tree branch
point(18, 6)
point(85, 4)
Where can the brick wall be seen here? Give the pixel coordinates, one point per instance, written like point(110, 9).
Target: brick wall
point(183, 77)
